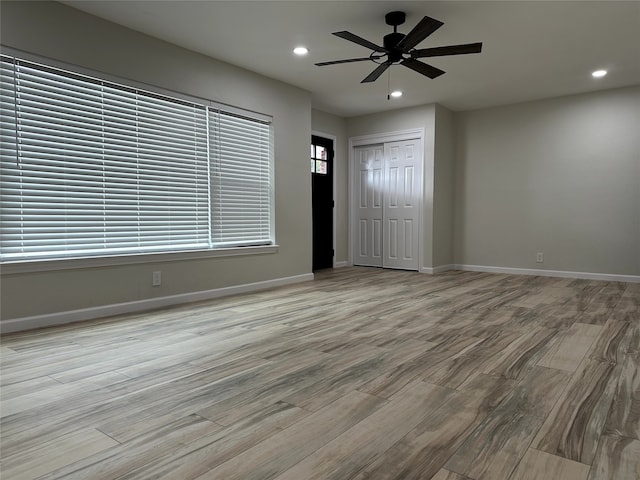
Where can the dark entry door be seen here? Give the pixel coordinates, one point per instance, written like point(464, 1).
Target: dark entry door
point(322, 201)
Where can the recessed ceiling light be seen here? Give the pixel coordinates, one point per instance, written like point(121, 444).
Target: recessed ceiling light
point(599, 73)
point(396, 93)
point(301, 50)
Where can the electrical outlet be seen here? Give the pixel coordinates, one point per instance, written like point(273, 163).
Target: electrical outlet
point(156, 279)
point(539, 257)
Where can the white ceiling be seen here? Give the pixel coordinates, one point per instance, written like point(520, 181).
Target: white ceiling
point(532, 49)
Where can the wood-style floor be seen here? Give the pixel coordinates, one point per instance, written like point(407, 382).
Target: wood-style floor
point(361, 374)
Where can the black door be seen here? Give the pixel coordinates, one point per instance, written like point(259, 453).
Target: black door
point(322, 201)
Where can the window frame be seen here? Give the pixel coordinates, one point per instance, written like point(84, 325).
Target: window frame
point(126, 258)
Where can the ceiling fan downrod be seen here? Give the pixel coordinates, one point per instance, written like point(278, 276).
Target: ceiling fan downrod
point(391, 40)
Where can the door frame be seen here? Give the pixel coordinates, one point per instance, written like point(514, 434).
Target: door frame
point(333, 138)
point(382, 138)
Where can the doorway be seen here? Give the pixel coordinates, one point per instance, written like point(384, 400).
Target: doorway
point(322, 155)
point(386, 204)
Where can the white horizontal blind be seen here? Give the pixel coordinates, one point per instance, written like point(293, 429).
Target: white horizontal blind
point(241, 179)
point(90, 167)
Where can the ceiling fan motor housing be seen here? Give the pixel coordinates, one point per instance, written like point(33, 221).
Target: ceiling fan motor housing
point(390, 42)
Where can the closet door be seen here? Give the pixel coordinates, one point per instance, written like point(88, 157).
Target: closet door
point(386, 198)
point(402, 174)
point(368, 197)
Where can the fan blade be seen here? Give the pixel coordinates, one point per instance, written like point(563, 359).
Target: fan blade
point(360, 41)
point(423, 68)
point(348, 60)
point(449, 50)
point(422, 30)
point(376, 73)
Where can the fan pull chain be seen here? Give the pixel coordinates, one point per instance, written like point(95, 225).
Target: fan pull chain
point(389, 84)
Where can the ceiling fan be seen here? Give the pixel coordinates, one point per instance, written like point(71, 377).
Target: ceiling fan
point(399, 48)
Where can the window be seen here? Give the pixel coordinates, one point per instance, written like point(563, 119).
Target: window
point(240, 179)
point(91, 168)
point(318, 159)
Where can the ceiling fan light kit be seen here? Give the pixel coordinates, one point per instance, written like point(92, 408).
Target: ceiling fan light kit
point(399, 48)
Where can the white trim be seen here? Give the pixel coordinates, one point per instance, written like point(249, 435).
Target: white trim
point(385, 137)
point(61, 318)
point(438, 269)
point(334, 139)
point(610, 277)
point(132, 259)
point(341, 264)
point(382, 138)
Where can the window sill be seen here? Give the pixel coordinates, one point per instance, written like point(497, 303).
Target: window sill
point(32, 266)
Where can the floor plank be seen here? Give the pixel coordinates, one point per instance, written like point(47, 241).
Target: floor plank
point(624, 414)
point(495, 447)
point(286, 448)
point(124, 458)
point(571, 347)
point(520, 357)
point(617, 458)
point(573, 428)
point(349, 453)
point(426, 448)
point(612, 342)
point(194, 458)
point(50, 456)
point(536, 465)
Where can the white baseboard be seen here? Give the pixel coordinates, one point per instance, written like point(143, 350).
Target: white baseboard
point(438, 269)
point(549, 273)
point(61, 318)
point(341, 264)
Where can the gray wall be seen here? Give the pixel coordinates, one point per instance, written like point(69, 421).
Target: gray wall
point(558, 176)
point(59, 32)
point(443, 188)
point(337, 126)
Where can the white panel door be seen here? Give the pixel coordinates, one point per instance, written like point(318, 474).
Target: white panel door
point(386, 199)
point(368, 197)
point(402, 197)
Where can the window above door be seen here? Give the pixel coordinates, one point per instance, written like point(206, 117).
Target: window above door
point(319, 160)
